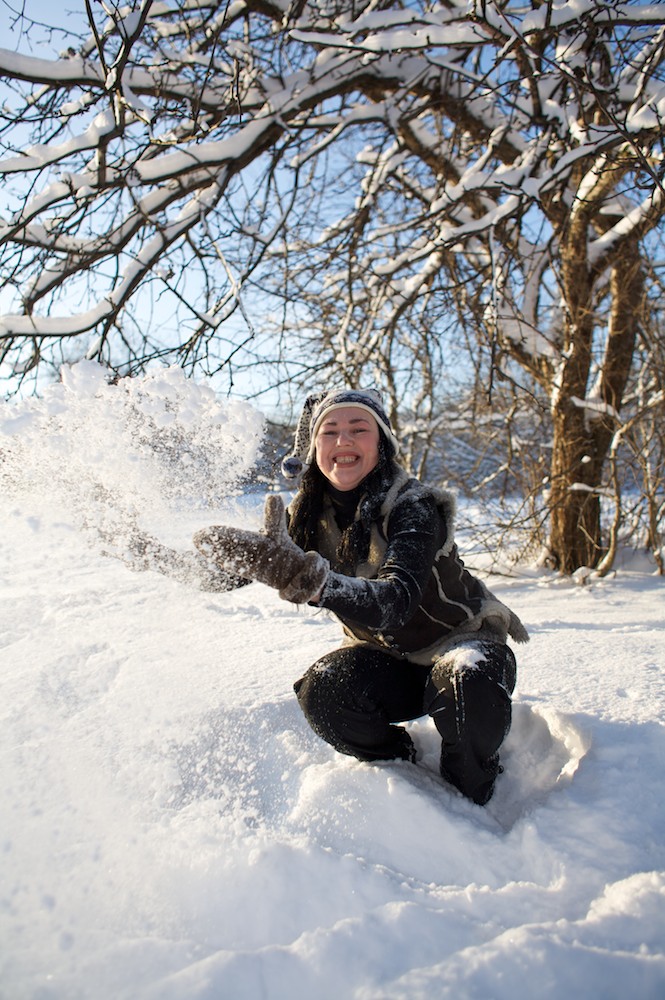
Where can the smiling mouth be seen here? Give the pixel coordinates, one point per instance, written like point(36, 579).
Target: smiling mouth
point(345, 459)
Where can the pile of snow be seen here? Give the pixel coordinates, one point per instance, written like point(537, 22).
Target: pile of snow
point(171, 829)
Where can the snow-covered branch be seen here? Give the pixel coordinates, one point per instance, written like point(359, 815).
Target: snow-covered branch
point(374, 180)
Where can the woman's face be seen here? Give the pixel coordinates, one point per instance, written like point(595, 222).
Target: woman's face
point(347, 446)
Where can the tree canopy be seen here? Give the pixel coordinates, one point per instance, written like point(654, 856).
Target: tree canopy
point(354, 190)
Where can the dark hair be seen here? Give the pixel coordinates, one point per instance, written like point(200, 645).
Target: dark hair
point(308, 504)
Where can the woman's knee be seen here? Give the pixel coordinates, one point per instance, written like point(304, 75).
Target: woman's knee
point(478, 663)
point(335, 684)
point(342, 697)
point(333, 677)
point(468, 697)
point(469, 691)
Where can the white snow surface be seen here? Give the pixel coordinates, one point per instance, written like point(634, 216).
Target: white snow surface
point(171, 829)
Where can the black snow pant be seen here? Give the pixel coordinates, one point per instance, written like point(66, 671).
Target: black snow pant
point(353, 697)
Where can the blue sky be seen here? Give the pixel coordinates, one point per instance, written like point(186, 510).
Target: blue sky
point(56, 14)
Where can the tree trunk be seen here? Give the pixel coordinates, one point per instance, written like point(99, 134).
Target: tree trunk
point(575, 530)
point(574, 506)
point(583, 428)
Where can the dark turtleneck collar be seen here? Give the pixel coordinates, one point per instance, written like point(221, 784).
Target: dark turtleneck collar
point(345, 503)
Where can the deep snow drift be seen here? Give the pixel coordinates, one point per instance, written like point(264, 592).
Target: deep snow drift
point(169, 826)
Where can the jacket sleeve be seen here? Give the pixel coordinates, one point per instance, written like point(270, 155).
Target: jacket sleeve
point(415, 534)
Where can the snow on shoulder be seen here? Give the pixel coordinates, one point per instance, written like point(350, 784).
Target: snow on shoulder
point(171, 828)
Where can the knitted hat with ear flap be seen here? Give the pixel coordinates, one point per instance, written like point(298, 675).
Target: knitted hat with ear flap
point(316, 408)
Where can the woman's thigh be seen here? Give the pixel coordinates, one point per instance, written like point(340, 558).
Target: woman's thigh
point(364, 678)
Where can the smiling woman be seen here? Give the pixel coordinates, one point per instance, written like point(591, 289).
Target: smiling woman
point(375, 547)
point(347, 447)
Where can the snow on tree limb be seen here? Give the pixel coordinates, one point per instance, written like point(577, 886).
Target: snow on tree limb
point(491, 112)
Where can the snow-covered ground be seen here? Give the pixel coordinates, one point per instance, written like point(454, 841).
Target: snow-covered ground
point(171, 829)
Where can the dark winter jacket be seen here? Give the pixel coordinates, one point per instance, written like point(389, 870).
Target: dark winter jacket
point(412, 596)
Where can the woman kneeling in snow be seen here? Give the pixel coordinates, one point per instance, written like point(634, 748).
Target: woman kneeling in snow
point(374, 546)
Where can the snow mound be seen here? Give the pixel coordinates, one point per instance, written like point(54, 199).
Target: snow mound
point(542, 753)
point(267, 775)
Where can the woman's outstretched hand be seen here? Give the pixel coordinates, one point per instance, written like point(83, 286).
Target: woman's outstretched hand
point(268, 556)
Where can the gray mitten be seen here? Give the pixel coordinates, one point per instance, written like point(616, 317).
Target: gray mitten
point(268, 556)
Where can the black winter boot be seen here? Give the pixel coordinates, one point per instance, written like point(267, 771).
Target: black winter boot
point(475, 783)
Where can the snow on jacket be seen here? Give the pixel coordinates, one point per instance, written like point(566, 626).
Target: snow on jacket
point(412, 596)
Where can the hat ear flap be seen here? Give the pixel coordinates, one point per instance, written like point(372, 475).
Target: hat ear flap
point(293, 464)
